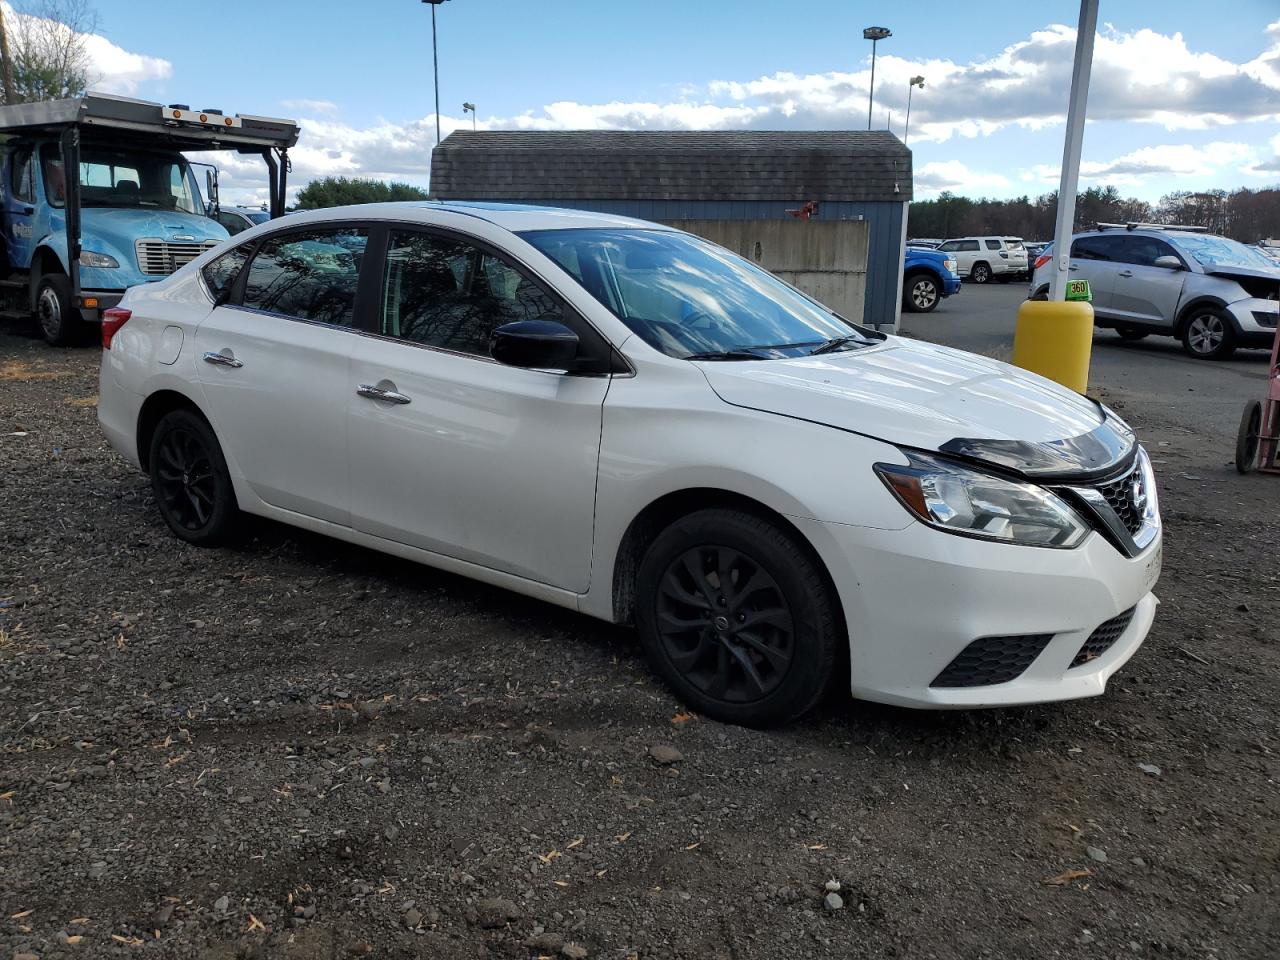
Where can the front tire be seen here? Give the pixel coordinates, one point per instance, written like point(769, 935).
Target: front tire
point(1209, 335)
point(922, 293)
point(191, 483)
point(59, 319)
point(980, 273)
point(737, 618)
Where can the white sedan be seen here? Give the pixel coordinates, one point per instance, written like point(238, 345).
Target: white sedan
point(629, 421)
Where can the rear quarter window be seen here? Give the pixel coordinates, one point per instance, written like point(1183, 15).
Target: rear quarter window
point(220, 274)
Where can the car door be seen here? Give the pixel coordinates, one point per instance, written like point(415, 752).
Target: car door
point(1092, 260)
point(275, 367)
point(453, 452)
point(20, 206)
point(1143, 292)
point(965, 252)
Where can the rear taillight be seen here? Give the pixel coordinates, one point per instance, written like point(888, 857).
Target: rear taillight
point(112, 321)
point(1042, 260)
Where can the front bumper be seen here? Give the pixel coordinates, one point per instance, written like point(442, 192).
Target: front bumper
point(1256, 321)
point(93, 302)
point(915, 598)
point(950, 284)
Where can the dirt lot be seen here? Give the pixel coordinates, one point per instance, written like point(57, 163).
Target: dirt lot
point(300, 749)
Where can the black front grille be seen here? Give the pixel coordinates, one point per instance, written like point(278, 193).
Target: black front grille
point(991, 660)
point(1119, 494)
point(1100, 640)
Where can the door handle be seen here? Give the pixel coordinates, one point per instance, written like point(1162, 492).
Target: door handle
point(377, 393)
point(1125, 273)
point(222, 360)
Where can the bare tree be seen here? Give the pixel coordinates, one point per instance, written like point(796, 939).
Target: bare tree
point(6, 61)
point(48, 54)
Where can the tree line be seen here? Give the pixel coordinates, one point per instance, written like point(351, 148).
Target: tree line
point(1243, 214)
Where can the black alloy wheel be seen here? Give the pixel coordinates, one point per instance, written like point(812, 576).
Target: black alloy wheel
point(736, 616)
point(725, 624)
point(190, 480)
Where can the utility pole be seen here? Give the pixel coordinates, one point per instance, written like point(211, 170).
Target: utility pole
point(915, 82)
point(1071, 149)
point(6, 67)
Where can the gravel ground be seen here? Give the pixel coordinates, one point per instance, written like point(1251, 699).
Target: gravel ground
point(302, 749)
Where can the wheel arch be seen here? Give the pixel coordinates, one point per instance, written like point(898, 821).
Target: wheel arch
point(44, 261)
point(670, 507)
point(917, 271)
point(154, 408)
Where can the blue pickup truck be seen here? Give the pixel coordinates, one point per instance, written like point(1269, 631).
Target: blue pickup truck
point(96, 196)
point(928, 276)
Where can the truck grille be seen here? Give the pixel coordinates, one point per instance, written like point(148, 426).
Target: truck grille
point(162, 257)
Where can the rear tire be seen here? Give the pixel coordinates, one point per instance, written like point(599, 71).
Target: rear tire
point(921, 293)
point(980, 273)
point(737, 617)
point(1209, 335)
point(59, 319)
point(191, 483)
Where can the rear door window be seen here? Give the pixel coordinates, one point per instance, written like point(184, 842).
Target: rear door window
point(309, 275)
point(1095, 248)
point(220, 274)
point(993, 244)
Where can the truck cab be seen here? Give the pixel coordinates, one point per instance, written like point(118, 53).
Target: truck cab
point(96, 196)
point(141, 217)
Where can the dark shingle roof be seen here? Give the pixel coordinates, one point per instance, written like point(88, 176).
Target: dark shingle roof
point(792, 165)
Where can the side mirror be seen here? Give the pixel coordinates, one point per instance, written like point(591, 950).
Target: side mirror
point(535, 344)
point(1168, 261)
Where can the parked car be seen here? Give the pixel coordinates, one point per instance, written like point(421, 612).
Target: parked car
point(239, 219)
point(927, 277)
point(1034, 248)
point(981, 259)
point(927, 244)
point(1271, 248)
point(1212, 293)
point(629, 421)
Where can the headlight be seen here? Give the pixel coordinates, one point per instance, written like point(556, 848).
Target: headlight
point(967, 502)
point(950, 265)
point(90, 259)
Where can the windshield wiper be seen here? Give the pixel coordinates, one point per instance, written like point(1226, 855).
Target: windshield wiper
point(735, 354)
point(841, 343)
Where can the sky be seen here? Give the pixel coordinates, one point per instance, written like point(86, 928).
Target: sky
point(1185, 94)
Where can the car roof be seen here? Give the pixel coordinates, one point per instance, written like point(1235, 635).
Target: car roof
point(515, 217)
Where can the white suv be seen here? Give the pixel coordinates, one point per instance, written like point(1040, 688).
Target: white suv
point(628, 421)
point(982, 258)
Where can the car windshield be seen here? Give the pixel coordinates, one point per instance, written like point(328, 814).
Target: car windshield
point(258, 216)
point(694, 300)
point(1211, 251)
point(124, 178)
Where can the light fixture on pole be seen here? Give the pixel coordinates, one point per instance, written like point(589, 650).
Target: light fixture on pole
point(435, 63)
point(875, 35)
point(470, 108)
point(906, 128)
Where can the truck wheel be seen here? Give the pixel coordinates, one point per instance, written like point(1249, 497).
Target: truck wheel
point(59, 319)
point(921, 294)
point(980, 273)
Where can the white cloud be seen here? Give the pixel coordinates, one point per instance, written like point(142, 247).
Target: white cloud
point(1168, 160)
point(117, 70)
point(310, 106)
point(953, 175)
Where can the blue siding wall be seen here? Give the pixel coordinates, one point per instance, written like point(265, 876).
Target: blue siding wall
point(884, 256)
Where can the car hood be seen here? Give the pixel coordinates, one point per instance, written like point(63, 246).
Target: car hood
point(928, 397)
point(121, 227)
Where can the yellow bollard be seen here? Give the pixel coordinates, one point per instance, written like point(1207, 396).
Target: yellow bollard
point(1054, 339)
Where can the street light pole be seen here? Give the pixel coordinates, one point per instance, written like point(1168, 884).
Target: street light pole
point(1071, 149)
point(875, 35)
point(470, 108)
point(906, 128)
point(435, 62)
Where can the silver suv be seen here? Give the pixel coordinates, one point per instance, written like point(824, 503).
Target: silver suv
point(1212, 293)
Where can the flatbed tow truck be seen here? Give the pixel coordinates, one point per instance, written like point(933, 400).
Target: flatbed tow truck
point(98, 197)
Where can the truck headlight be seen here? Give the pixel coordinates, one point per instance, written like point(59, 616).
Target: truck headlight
point(950, 265)
point(89, 258)
point(974, 504)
